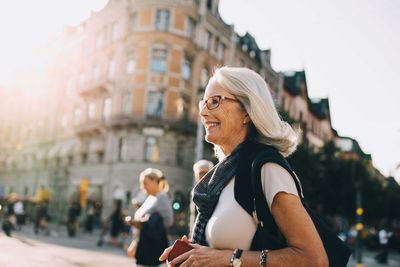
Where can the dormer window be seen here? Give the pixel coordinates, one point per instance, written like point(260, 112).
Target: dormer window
point(252, 54)
point(245, 47)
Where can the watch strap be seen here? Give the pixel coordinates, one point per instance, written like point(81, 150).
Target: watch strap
point(237, 253)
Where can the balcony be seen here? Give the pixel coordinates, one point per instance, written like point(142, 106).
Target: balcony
point(95, 88)
point(89, 128)
point(179, 124)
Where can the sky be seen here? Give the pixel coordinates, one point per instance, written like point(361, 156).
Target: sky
point(348, 49)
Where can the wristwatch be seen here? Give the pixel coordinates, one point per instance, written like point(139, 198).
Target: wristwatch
point(235, 259)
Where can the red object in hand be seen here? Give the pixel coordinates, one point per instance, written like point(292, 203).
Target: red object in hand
point(178, 248)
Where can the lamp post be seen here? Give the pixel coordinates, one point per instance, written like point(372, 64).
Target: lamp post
point(199, 135)
point(359, 213)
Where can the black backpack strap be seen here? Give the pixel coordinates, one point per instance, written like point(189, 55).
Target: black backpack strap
point(263, 216)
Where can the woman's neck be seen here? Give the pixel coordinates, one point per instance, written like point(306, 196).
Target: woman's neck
point(228, 148)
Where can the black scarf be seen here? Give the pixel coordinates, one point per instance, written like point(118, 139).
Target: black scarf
point(206, 193)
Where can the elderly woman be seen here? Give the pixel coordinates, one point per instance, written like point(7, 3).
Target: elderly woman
point(241, 121)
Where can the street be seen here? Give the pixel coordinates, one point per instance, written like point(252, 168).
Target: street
point(25, 249)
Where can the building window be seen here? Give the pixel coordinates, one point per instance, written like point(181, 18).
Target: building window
point(111, 70)
point(207, 40)
point(100, 156)
point(64, 121)
point(152, 151)
point(181, 109)
point(186, 69)
point(95, 73)
point(123, 149)
point(126, 103)
point(84, 157)
point(133, 21)
point(114, 31)
point(91, 111)
point(216, 44)
point(162, 20)
point(221, 51)
point(130, 65)
point(180, 155)
point(77, 115)
point(82, 79)
point(107, 108)
point(190, 28)
point(99, 39)
point(209, 5)
point(155, 104)
point(70, 87)
point(120, 140)
point(159, 60)
point(204, 77)
point(252, 54)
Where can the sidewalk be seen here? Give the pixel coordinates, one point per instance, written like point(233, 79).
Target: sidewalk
point(369, 261)
point(58, 235)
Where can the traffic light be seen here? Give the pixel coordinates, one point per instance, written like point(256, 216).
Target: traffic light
point(177, 204)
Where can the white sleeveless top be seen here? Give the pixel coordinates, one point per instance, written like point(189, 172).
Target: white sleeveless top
point(231, 226)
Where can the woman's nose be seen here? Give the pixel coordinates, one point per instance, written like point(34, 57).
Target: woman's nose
point(203, 110)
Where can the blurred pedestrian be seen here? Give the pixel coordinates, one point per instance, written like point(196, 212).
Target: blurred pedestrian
point(200, 168)
point(74, 211)
point(383, 235)
point(19, 213)
point(152, 219)
point(42, 218)
point(89, 219)
point(116, 222)
point(9, 220)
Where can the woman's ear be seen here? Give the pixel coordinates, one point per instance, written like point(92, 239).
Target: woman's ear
point(246, 119)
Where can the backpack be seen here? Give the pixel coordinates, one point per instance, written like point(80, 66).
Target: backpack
point(268, 236)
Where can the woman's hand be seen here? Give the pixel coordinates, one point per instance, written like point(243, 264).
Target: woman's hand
point(166, 252)
point(202, 256)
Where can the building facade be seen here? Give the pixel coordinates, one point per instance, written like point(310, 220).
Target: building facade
point(311, 115)
point(117, 94)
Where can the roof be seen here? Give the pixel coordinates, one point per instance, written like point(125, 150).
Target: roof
point(248, 44)
point(348, 144)
point(320, 107)
point(292, 81)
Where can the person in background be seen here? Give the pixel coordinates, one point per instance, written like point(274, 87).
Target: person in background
point(74, 211)
point(200, 168)
point(19, 213)
point(116, 223)
point(383, 235)
point(152, 219)
point(241, 120)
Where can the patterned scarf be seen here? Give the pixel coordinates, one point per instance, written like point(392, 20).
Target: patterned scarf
point(206, 193)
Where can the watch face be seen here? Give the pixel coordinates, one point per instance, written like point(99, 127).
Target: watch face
point(237, 263)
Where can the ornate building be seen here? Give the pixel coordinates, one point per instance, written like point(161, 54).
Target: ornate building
point(119, 93)
point(312, 115)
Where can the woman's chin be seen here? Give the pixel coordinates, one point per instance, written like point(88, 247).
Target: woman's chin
point(210, 138)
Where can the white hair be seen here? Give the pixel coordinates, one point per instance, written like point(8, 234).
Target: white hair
point(202, 164)
point(253, 93)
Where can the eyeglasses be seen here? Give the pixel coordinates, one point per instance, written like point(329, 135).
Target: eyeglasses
point(214, 101)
